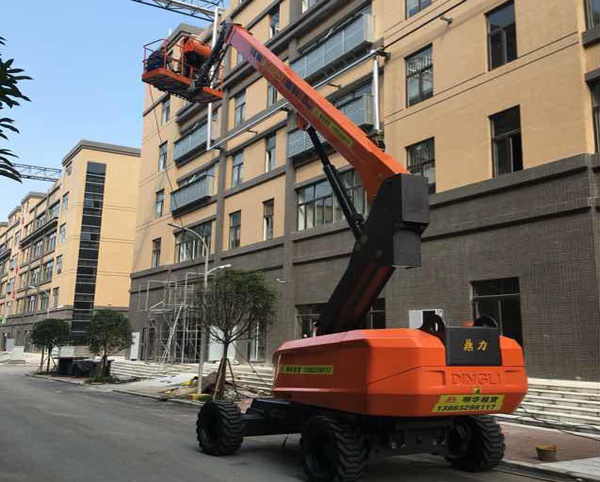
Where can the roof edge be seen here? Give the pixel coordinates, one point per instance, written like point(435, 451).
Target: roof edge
point(100, 146)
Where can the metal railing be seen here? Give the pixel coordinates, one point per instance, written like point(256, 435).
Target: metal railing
point(193, 193)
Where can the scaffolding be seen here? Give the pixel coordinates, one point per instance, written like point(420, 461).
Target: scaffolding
point(172, 332)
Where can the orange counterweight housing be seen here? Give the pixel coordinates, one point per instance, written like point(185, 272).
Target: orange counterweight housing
point(395, 372)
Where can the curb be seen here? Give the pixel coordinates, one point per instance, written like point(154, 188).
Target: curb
point(540, 469)
point(159, 398)
point(46, 377)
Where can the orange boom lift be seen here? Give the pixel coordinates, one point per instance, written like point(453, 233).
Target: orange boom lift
point(352, 392)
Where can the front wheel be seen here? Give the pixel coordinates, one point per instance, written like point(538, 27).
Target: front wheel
point(220, 428)
point(476, 444)
point(333, 450)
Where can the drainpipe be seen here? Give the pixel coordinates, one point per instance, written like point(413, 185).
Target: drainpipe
point(377, 124)
point(210, 106)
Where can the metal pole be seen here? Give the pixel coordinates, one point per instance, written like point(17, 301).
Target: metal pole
point(377, 125)
point(210, 105)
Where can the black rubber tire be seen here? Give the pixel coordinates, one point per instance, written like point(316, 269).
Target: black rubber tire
point(220, 428)
point(485, 447)
point(333, 450)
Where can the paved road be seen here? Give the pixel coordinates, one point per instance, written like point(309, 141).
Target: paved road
point(58, 432)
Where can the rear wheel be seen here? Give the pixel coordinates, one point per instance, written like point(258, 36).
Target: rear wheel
point(332, 450)
point(477, 444)
point(220, 428)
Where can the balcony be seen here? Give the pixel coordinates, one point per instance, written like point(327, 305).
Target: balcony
point(191, 143)
point(38, 231)
point(354, 36)
point(359, 111)
point(5, 253)
point(192, 195)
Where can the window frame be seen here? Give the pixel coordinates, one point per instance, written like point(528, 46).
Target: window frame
point(272, 95)
point(237, 168)
point(268, 219)
point(497, 138)
point(274, 27)
point(270, 152)
point(166, 110)
point(159, 204)
point(595, 91)
point(418, 168)
point(239, 111)
point(491, 34)
point(589, 14)
point(162, 156)
point(235, 230)
point(420, 9)
point(156, 252)
point(59, 264)
point(419, 73)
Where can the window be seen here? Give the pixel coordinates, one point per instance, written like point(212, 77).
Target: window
point(65, 202)
point(166, 110)
point(62, 233)
point(38, 249)
point(502, 35)
point(272, 95)
point(55, 292)
point(257, 343)
point(188, 246)
point(69, 168)
point(17, 238)
point(415, 6)
point(34, 276)
point(317, 207)
point(240, 108)
point(596, 110)
point(48, 270)
point(13, 263)
point(274, 22)
point(421, 161)
point(593, 13)
point(237, 170)
point(54, 211)
point(10, 285)
point(235, 227)
point(31, 304)
point(59, 264)
point(306, 4)
point(500, 299)
point(268, 220)
point(162, 156)
point(51, 242)
point(159, 203)
point(306, 317)
point(506, 142)
point(270, 153)
point(419, 76)
point(43, 301)
point(156, 252)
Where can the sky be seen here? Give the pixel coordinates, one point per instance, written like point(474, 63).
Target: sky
point(85, 58)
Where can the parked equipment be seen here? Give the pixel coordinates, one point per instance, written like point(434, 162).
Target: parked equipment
point(352, 392)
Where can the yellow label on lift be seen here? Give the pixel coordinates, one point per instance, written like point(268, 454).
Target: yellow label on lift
point(306, 369)
point(469, 403)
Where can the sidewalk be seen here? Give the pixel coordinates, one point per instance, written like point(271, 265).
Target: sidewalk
point(576, 456)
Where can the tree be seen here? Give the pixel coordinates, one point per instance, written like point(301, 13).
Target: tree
point(9, 93)
point(236, 305)
point(50, 333)
point(109, 333)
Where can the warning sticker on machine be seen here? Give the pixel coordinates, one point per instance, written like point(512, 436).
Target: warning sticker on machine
point(306, 369)
point(469, 403)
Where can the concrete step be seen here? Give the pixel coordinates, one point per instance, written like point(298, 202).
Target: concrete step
point(545, 423)
point(559, 416)
point(564, 385)
point(579, 395)
point(548, 399)
point(567, 410)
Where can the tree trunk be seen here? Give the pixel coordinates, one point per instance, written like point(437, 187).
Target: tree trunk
point(42, 359)
point(49, 355)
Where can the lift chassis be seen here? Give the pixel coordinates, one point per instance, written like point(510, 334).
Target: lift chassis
point(352, 392)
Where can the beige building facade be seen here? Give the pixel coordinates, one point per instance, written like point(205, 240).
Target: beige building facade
point(69, 250)
point(496, 103)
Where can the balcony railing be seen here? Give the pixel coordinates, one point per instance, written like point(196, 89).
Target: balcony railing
point(39, 230)
point(192, 195)
point(193, 141)
point(359, 111)
point(5, 252)
point(352, 37)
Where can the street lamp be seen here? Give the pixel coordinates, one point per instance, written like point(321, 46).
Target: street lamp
point(204, 331)
point(47, 298)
